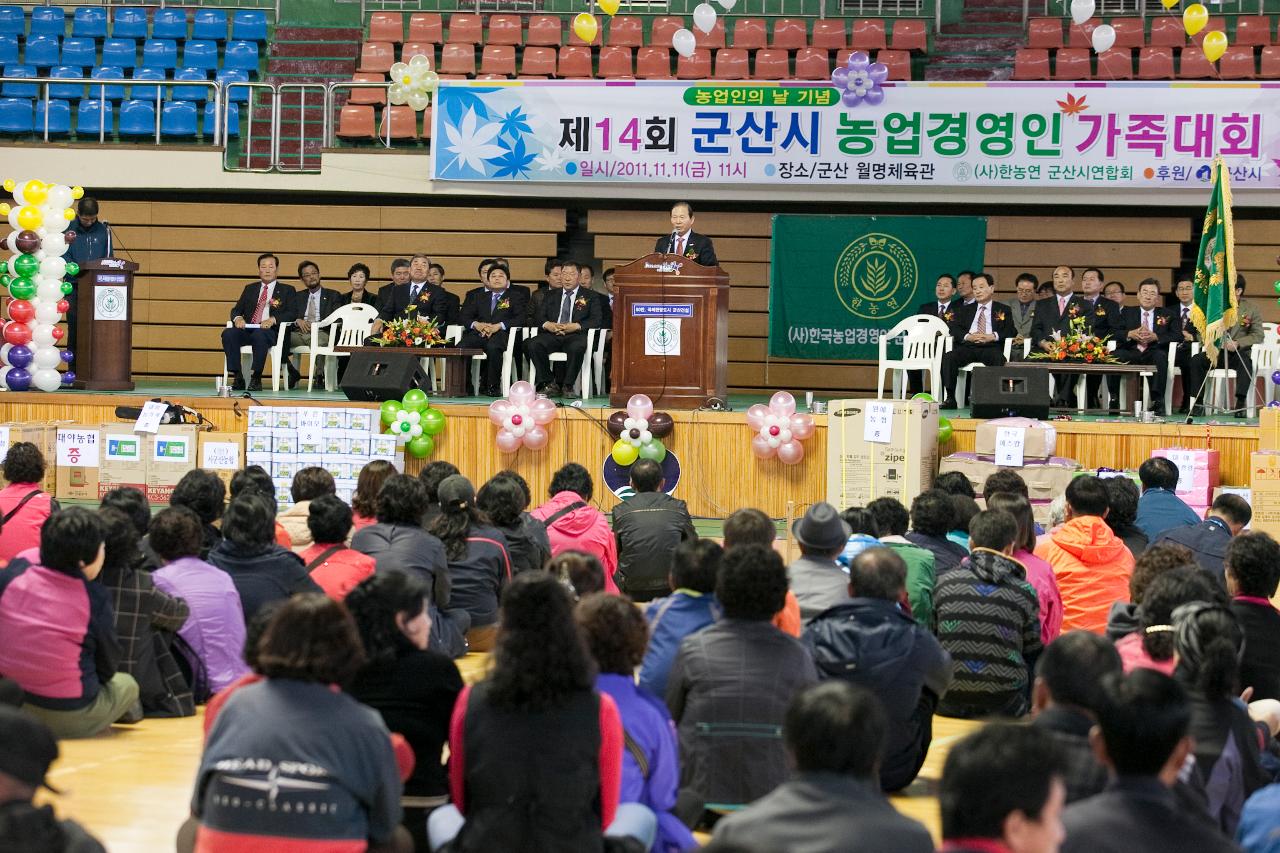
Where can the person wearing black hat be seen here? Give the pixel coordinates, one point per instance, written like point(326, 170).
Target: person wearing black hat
point(479, 565)
point(27, 748)
point(817, 579)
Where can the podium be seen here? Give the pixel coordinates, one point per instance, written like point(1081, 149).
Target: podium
point(670, 332)
point(104, 330)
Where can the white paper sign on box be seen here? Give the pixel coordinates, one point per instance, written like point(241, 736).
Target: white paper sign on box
point(149, 419)
point(1010, 444)
point(877, 425)
point(78, 447)
point(220, 455)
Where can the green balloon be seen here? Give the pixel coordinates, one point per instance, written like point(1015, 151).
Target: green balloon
point(26, 265)
point(404, 426)
point(432, 422)
point(22, 288)
point(928, 398)
point(415, 400)
point(421, 447)
point(67, 287)
point(5, 279)
point(390, 409)
point(1277, 286)
point(73, 269)
point(653, 449)
point(944, 430)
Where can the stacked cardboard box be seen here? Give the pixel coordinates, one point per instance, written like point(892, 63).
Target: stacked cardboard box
point(1265, 491)
point(902, 466)
point(1198, 474)
point(43, 436)
point(78, 457)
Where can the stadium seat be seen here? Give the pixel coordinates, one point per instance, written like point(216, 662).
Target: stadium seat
point(410, 49)
point(1219, 24)
point(48, 21)
point(750, 33)
point(539, 61)
point(458, 59)
point(210, 25)
point(89, 22)
point(812, 63)
point(1031, 63)
point(829, 33)
point(169, 23)
point(160, 53)
point(122, 53)
point(356, 122)
point(178, 118)
point(20, 90)
point(13, 21)
point(79, 51)
point(465, 28)
point(498, 60)
point(129, 22)
point(1237, 64)
point(653, 63)
point(626, 31)
point(403, 121)
point(244, 56)
point(1081, 35)
point(713, 40)
point(910, 35)
point(1115, 64)
point(137, 118)
point(369, 95)
point(200, 54)
point(696, 67)
point(545, 31)
point(897, 61)
point(1167, 31)
point(774, 64)
point(505, 29)
point(426, 27)
point(66, 91)
point(249, 25)
point(867, 35)
point(93, 115)
point(732, 64)
point(114, 91)
point(1072, 63)
point(615, 62)
point(1269, 68)
point(386, 26)
point(1192, 65)
point(240, 95)
point(790, 34)
point(574, 62)
point(15, 115)
point(41, 51)
point(1046, 33)
point(59, 117)
point(595, 42)
point(1129, 32)
point(233, 121)
point(426, 124)
point(196, 94)
point(145, 93)
point(664, 27)
point(1253, 31)
point(8, 50)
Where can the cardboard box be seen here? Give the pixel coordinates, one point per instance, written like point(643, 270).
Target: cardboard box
point(1264, 467)
point(1045, 480)
point(1041, 437)
point(44, 437)
point(123, 457)
point(1198, 472)
point(364, 420)
point(171, 453)
point(382, 446)
point(260, 417)
point(335, 418)
point(1269, 428)
point(77, 456)
point(859, 471)
point(223, 453)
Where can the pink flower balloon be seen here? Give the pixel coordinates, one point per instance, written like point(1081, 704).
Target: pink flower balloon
point(756, 415)
point(801, 427)
point(778, 429)
point(760, 447)
point(791, 452)
point(536, 438)
point(782, 403)
point(522, 393)
point(508, 442)
point(640, 407)
point(543, 411)
point(499, 410)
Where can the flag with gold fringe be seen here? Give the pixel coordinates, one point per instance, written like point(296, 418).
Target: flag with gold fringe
point(1214, 310)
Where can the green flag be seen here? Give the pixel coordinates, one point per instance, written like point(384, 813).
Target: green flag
point(1214, 310)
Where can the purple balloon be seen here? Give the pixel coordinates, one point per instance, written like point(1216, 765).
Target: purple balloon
point(840, 77)
point(858, 61)
point(850, 98)
point(67, 356)
point(1275, 377)
point(20, 356)
point(1274, 404)
point(18, 379)
point(68, 377)
point(879, 72)
point(874, 96)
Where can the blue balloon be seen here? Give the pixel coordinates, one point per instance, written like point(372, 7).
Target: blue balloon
point(68, 377)
point(68, 356)
point(19, 379)
point(21, 356)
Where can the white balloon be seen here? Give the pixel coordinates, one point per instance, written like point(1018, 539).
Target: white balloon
point(4, 376)
point(704, 17)
point(47, 312)
point(43, 334)
point(415, 417)
point(1103, 37)
point(46, 379)
point(55, 245)
point(418, 101)
point(13, 219)
point(4, 353)
point(53, 268)
point(47, 357)
point(684, 42)
point(1082, 10)
point(59, 196)
point(48, 290)
point(728, 4)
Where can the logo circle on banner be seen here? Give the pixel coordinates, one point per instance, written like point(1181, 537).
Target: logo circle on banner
point(663, 337)
point(109, 303)
point(618, 478)
point(876, 276)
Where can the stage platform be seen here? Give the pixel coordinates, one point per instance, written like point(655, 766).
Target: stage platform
point(718, 474)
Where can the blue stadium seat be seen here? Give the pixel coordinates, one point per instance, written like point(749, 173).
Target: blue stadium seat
point(200, 54)
point(129, 22)
point(48, 21)
point(210, 25)
point(89, 22)
point(137, 118)
point(91, 115)
point(114, 91)
point(67, 90)
point(59, 117)
point(242, 55)
point(19, 90)
point(42, 51)
point(197, 94)
point(8, 50)
point(147, 93)
point(178, 119)
point(122, 53)
point(235, 75)
point(249, 25)
point(79, 51)
point(169, 24)
point(15, 115)
point(233, 121)
point(13, 21)
point(160, 53)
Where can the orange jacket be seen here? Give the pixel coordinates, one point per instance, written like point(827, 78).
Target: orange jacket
point(1092, 566)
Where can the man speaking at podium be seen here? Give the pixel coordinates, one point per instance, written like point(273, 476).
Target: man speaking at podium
point(683, 240)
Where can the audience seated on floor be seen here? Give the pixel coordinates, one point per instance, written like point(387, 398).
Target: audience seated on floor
point(256, 478)
point(364, 503)
point(308, 484)
point(892, 520)
point(432, 475)
point(1039, 573)
point(863, 534)
point(963, 509)
point(750, 526)
point(1253, 573)
point(332, 564)
point(1209, 539)
point(24, 505)
point(505, 499)
point(479, 565)
point(691, 607)
point(931, 515)
point(262, 569)
point(1123, 617)
point(581, 573)
point(1151, 645)
point(1160, 508)
point(818, 581)
point(648, 526)
point(204, 493)
point(574, 524)
point(1122, 513)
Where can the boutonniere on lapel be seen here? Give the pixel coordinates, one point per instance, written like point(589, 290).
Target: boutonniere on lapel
point(1162, 321)
point(999, 316)
point(1246, 322)
point(580, 303)
point(949, 316)
point(690, 253)
point(424, 296)
point(275, 303)
point(1073, 311)
point(504, 304)
point(1100, 311)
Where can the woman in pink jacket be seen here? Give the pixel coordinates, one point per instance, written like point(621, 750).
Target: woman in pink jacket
point(573, 524)
point(24, 506)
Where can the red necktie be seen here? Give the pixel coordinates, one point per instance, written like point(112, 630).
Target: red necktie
point(261, 307)
point(680, 245)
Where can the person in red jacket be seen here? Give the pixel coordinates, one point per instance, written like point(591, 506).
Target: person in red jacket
point(24, 506)
point(573, 524)
point(334, 566)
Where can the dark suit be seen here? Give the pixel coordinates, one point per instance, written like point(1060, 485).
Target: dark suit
point(1102, 318)
point(432, 302)
point(585, 311)
point(281, 307)
point(535, 303)
point(606, 322)
point(1182, 356)
point(697, 248)
point(1168, 329)
point(330, 301)
point(997, 320)
point(933, 308)
point(481, 307)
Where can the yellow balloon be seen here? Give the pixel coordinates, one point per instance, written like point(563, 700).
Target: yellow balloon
point(1215, 44)
point(9, 184)
point(77, 192)
point(609, 7)
point(30, 218)
point(69, 214)
point(1194, 17)
point(624, 453)
point(585, 26)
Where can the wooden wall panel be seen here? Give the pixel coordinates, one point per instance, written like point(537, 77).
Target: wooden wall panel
point(1258, 260)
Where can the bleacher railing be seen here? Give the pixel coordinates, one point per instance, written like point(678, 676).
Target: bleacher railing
point(331, 104)
point(1148, 8)
point(273, 5)
point(246, 134)
point(747, 8)
point(311, 113)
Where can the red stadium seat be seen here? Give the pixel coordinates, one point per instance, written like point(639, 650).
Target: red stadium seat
point(575, 62)
point(842, 57)
point(1155, 63)
point(654, 63)
point(626, 31)
point(790, 33)
point(1219, 24)
point(1031, 63)
point(829, 33)
point(386, 26)
point(545, 30)
point(615, 62)
point(1167, 31)
point(731, 64)
point(426, 27)
point(1237, 64)
point(403, 120)
point(664, 27)
point(1045, 32)
point(1115, 64)
point(356, 122)
point(410, 49)
point(1253, 31)
point(377, 56)
point(458, 59)
point(426, 124)
point(714, 39)
point(1072, 63)
point(897, 61)
point(696, 67)
point(773, 64)
point(1192, 65)
point(498, 60)
point(910, 35)
point(750, 33)
point(465, 28)
point(505, 29)
point(867, 35)
point(1129, 32)
point(538, 61)
point(368, 96)
point(1082, 35)
point(595, 42)
point(1270, 66)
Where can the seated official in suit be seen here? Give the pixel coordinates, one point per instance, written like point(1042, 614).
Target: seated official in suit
point(427, 301)
point(314, 304)
point(1024, 308)
point(261, 306)
point(683, 241)
point(1104, 321)
point(944, 292)
point(978, 333)
point(1148, 331)
point(360, 294)
point(488, 314)
point(1184, 291)
point(399, 280)
point(453, 304)
point(567, 314)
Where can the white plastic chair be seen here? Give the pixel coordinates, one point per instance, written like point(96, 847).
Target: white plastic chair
point(273, 359)
point(962, 376)
point(583, 382)
point(1082, 389)
point(436, 367)
point(515, 334)
point(597, 359)
point(924, 343)
point(1271, 333)
point(349, 325)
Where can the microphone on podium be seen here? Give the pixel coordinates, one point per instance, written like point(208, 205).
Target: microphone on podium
point(671, 241)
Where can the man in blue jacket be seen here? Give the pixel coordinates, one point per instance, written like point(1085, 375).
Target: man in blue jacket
point(1159, 509)
point(92, 242)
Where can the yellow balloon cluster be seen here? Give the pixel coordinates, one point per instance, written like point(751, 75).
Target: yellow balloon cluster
point(1194, 19)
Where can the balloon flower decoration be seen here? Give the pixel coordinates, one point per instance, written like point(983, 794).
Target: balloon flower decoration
point(522, 418)
point(639, 432)
point(412, 83)
point(859, 80)
point(779, 430)
point(413, 422)
point(29, 356)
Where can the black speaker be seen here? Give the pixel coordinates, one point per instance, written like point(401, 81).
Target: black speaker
point(1001, 392)
point(377, 376)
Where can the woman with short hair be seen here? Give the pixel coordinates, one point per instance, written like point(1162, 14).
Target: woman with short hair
point(24, 505)
point(261, 568)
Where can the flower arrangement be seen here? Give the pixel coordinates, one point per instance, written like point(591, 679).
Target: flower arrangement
point(1078, 345)
point(410, 331)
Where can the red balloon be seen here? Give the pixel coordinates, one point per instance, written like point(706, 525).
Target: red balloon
point(21, 310)
point(58, 332)
point(17, 334)
point(26, 241)
point(617, 421)
point(70, 236)
point(63, 306)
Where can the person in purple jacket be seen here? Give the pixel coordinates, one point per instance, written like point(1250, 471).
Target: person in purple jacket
point(214, 632)
point(615, 634)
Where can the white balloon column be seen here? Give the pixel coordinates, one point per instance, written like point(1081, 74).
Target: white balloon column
point(29, 356)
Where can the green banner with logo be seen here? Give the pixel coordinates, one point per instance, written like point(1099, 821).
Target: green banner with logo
point(836, 283)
